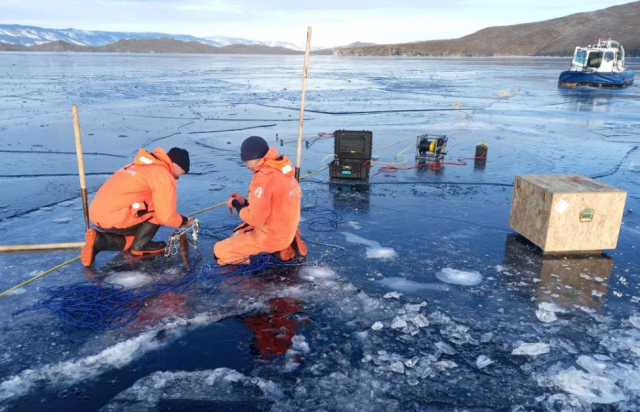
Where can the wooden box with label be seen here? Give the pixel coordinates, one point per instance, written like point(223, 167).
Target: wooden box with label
point(567, 213)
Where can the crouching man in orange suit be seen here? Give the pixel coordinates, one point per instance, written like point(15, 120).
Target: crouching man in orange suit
point(134, 202)
point(272, 212)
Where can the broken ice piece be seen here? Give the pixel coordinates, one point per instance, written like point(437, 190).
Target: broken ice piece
point(445, 364)
point(377, 326)
point(551, 307)
point(398, 323)
point(596, 293)
point(412, 362)
point(635, 321)
point(420, 321)
point(445, 348)
point(62, 220)
point(483, 361)
point(546, 316)
point(366, 359)
point(412, 308)
point(397, 367)
point(393, 295)
point(486, 337)
point(531, 349)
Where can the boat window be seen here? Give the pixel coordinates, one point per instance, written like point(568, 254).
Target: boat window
point(594, 60)
point(581, 57)
point(608, 56)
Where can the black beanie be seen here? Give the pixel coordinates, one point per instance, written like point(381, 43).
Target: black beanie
point(254, 147)
point(180, 157)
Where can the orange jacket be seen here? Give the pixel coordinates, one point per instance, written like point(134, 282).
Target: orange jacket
point(140, 191)
point(274, 202)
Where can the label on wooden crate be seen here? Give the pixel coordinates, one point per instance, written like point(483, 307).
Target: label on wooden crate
point(561, 206)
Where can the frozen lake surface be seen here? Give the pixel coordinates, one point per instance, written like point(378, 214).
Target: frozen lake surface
point(436, 305)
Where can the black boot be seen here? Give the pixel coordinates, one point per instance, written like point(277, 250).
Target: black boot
point(100, 242)
point(142, 244)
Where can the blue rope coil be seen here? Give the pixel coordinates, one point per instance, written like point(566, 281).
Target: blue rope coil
point(88, 308)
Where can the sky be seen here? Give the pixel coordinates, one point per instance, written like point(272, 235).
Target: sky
point(333, 22)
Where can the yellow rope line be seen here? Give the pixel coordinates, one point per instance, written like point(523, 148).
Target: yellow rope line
point(399, 141)
point(39, 276)
point(406, 159)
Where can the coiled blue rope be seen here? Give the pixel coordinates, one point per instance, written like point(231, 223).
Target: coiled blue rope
point(88, 308)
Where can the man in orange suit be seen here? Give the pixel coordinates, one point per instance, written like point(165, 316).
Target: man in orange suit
point(134, 202)
point(272, 212)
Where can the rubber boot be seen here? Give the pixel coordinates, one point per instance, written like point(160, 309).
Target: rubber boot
point(285, 254)
point(298, 245)
point(100, 242)
point(142, 244)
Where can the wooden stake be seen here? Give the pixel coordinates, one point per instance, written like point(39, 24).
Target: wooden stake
point(304, 91)
point(43, 246)
point(83, 182)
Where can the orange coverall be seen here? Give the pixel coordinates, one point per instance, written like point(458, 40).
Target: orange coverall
point(142, 191)
point(273, 212)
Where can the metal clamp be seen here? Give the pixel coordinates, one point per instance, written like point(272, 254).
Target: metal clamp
point(586, 215)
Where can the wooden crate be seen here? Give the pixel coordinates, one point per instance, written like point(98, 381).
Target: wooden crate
point(567, 213)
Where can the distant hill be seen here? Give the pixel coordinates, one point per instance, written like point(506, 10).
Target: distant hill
point(557, 37)
point(17, 34)
point(355, 44)
point(164, 45)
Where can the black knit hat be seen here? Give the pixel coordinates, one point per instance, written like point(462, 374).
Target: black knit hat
point(180, 157)
point(254, 147)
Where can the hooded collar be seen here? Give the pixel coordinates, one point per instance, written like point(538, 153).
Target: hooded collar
point(157, 157)
point(272, 161)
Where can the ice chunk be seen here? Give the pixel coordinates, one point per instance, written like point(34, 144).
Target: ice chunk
point(397, 367)
point(410, 363)
point(62, 220)
point(445, 364)
point(398, 323)
point(596, 293)
point(392, 295)
point(590, 387)
point(299, 343)
point(635, 321)
point(591, 365)
point(219, 385)
point(420, 321)
point(531, 349)
point(459, 277)
point(445, 348)
point(409, 286)
point(546, 316)
point(486, 337)
point(551, 307)
point(377, 326)
point(409, 307)
point(374, 249)
point(483, 361)
point(312, 273)
point(129, 280)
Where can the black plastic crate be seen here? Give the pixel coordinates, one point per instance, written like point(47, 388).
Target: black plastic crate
point(349, 169)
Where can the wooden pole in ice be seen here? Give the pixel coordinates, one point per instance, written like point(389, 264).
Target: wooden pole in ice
point(83, 182)
point(304, 91)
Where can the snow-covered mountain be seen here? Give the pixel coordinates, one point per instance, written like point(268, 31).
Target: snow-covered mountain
point(226, 41)
point(30, 35)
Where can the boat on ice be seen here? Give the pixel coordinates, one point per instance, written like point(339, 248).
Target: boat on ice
point(598, 65)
